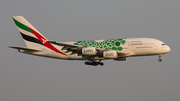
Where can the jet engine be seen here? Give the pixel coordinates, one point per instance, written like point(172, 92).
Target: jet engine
point(89, 51)
point(112, 54)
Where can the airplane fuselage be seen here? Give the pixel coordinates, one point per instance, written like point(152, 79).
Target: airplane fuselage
point(135, 47)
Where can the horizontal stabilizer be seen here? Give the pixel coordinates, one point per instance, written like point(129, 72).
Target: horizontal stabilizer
point(26, 49)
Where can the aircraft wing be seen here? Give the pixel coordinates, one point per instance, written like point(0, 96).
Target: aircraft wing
point(67, 46)
point(75, 49)
point(25, 48)
point(62, 44)
point(72, 47)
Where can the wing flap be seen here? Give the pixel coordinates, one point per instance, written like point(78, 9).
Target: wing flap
point(25, 48)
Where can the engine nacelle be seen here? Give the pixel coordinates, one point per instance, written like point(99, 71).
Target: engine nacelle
point(121, 59)
point(112, 54)
point(89, 51)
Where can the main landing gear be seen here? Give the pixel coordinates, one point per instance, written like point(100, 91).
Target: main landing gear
point(93, 63)
point(160, 57)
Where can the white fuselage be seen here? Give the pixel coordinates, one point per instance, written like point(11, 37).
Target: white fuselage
point(135, 47)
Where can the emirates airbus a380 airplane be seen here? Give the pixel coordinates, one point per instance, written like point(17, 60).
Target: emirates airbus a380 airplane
point(89, 50)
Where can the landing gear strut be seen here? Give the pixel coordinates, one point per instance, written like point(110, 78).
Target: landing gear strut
point(160, 58)
point(94, 63)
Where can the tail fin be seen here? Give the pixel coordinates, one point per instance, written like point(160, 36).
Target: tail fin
point(31, 36)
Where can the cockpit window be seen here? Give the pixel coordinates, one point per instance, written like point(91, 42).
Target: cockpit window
point(163, 44)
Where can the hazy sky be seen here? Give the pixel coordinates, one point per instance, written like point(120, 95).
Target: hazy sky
point(31, 78)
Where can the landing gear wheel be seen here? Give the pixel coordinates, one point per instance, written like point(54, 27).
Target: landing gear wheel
point(86, 63)
point(93, 63)
point(101, 64)
point(159, 60)
point(160, 57)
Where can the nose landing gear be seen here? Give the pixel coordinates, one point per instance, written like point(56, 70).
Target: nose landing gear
point(160, 57)
point(94, 63)
point(159, 60)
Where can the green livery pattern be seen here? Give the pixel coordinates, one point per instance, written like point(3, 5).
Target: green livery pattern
point(114, 44)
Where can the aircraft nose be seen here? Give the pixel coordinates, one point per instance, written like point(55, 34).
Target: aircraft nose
point(168, 49)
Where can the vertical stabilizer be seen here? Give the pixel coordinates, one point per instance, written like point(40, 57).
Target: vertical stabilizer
point(31, 35)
